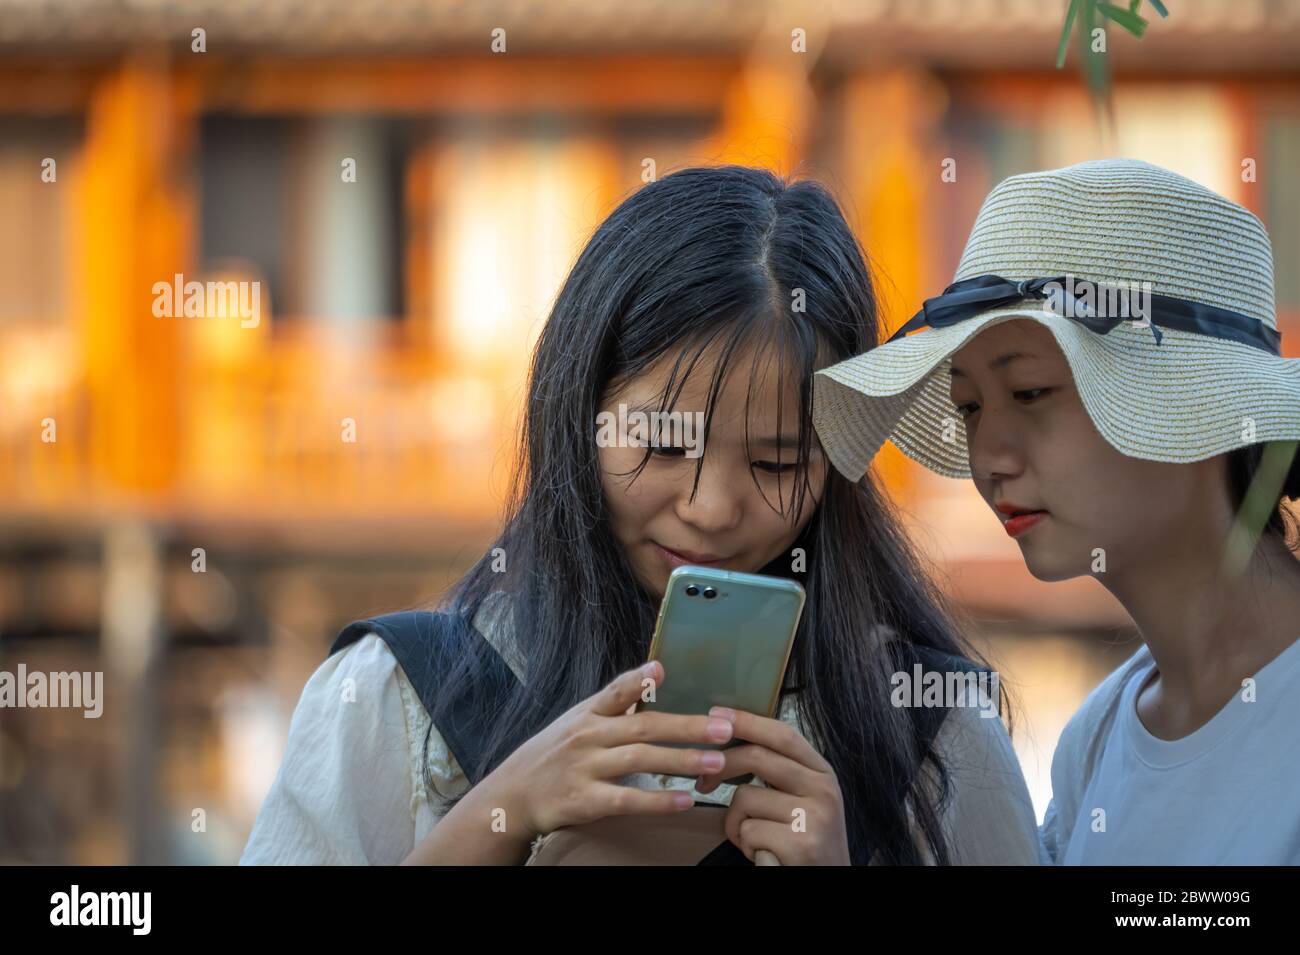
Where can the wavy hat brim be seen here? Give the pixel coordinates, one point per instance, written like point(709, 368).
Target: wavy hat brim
point(1186, 399)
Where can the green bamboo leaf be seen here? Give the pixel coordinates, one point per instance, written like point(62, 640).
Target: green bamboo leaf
point(1065, 33)
point(1095, 66)
point(1130, 21)
point(1081, 19)
point(1256, 507)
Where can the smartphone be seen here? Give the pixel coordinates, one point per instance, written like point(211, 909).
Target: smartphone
point(724, 639)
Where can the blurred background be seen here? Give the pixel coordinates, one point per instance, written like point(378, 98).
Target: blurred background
point(182, 503)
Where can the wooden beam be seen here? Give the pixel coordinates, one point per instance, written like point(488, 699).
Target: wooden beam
point(474, 86)
point(890, 121)
point(136, 230)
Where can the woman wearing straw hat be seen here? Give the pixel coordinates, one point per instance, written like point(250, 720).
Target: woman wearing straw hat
point(1150, 445)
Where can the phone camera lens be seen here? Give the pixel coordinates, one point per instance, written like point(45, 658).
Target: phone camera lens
point(692, 590)
point(709, 593)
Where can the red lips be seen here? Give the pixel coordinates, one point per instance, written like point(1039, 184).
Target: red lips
point(1019, 519)
point(1011, 510)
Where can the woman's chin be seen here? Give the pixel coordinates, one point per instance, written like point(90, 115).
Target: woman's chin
point(1043, 568)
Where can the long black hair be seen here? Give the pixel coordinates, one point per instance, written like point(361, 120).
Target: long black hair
point(715, 258)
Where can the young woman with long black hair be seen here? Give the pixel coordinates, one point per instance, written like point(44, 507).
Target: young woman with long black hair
point(715, 292)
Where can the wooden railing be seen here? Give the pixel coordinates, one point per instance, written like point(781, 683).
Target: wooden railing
point(303, 424)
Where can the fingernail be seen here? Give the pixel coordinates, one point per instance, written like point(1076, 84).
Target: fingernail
point(726, 714)
point(712, 761)
point(648, 669)
point(720, 729)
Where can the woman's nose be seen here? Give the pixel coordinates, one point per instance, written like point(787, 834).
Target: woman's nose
point(995, 449)
point(718, 501)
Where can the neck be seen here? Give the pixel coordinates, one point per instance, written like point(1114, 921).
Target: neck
point(1206, 629)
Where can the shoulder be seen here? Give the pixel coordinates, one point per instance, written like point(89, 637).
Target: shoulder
point(349, 688)
point(1078, 747)
point(413, 636)
point(369, 672)
point(342, 792)
point(989, 817)
point(351, 781)
point(1094, 715)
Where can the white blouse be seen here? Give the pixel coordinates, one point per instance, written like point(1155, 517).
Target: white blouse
point(349, 790)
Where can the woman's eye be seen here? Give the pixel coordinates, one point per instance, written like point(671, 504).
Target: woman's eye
point(776, 467)
point(668, 450)
point(1024, 395)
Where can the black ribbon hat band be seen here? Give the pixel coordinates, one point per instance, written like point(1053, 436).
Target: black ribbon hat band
point(974, 296)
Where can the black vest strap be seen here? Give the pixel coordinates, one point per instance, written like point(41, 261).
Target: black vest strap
point(429, 645)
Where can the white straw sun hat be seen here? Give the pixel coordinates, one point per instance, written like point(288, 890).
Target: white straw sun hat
point(1205, 375)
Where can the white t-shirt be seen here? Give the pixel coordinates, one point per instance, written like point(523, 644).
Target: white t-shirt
point(349, 790)
point(1227, 794)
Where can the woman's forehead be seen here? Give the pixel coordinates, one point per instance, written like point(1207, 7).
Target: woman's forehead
point(759, 395)
point(1004, 345)
point(751, 375)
